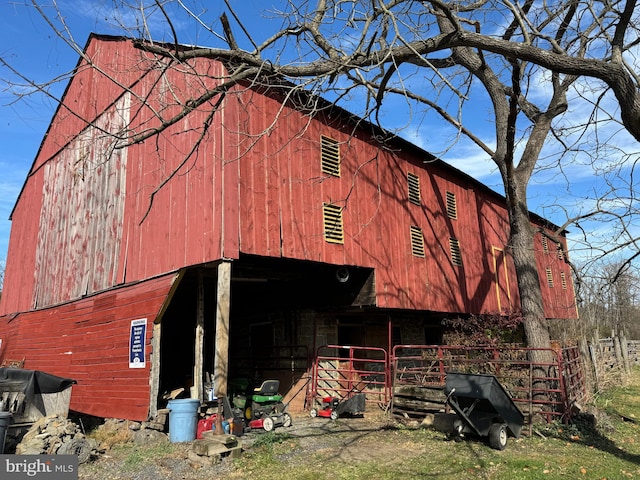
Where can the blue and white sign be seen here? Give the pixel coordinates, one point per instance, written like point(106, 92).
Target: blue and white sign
point(137, 340)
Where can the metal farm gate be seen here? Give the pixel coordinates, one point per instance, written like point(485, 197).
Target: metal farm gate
point(543, 389)
point(342, 371)
point(411, 381)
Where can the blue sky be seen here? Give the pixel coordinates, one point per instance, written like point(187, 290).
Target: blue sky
point(29, 45)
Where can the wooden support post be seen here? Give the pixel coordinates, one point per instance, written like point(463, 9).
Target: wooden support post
point(198, 367)
point(154, 378)
point(221, 364)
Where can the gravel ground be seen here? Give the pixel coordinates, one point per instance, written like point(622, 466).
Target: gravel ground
point(163, 460)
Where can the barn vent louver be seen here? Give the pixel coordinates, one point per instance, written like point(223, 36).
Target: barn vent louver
point(452, 206)
point(456, 254)
point(545, 245)
point(414, 188)
point(549, 278)
point(330, 156)
point(563, 279)
point(333, 231)
point(417, 241)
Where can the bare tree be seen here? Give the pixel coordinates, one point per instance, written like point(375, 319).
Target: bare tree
point(528, 61)
point(609, 299)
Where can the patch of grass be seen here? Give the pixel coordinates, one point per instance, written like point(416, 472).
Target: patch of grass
point(271, 438)
point(602, 446)
point(622, 400)
point(268, 453)
point(111, 434)
point(138, 455)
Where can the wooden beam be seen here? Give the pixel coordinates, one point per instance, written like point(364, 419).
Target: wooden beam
point(198, 367)
point(223, 309)
point(221, 364)
point(154, 377)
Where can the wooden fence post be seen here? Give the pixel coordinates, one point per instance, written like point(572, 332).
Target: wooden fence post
point(617, 349)
point(593, 355)
point(625, 354)
point(587, 364)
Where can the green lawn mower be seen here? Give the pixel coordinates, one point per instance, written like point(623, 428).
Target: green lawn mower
point(262, 406)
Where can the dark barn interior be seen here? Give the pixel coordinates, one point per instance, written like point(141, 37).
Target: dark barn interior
point(270, 333)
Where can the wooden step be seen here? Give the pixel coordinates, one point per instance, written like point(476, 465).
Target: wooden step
point(228, 440)
point(211, 447)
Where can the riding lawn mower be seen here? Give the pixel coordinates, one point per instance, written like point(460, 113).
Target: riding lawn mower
point(262, 406)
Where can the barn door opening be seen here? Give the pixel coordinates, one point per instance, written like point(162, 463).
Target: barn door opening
point(177, 348)
point(187, 336)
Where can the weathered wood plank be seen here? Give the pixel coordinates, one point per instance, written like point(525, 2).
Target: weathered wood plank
point(416, 404)
point(419, 392)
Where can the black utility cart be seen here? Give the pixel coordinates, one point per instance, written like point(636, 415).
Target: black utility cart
point(484, 408)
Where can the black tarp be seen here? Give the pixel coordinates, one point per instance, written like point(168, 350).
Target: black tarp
point(32, 383)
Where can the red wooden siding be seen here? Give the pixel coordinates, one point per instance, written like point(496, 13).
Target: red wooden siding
point(557, 299)
point(21, 261)
point(182, 222)
point(101, 224)
point(88, 340)
point(92, 93)
point(244, 191)
point(87, 222)
point(283, 190)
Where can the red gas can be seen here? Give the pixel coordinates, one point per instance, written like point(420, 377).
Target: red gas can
point(205, 424)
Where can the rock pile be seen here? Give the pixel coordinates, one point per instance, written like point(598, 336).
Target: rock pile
point(56, 435)
point(124, 431)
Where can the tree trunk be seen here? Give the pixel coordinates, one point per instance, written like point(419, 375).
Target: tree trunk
point(524, 259)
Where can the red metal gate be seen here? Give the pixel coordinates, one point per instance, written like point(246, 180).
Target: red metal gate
point(538, 388)
point(342, 371)
point(544, 389)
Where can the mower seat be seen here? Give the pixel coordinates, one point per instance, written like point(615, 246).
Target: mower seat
point(268, 387)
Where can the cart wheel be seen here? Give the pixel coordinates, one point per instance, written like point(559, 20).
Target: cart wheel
point(313, 413)
point(286, 420)
point(267, 424)
point(334, 415)
point(498, 436)
point(458, 427)
point(248, 413)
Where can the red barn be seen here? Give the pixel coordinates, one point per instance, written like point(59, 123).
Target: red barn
point(310, 230)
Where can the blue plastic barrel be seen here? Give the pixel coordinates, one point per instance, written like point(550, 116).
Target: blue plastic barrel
point(183, 419)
